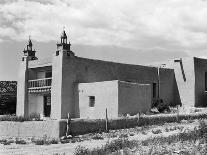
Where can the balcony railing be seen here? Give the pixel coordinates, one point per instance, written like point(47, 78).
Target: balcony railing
point(40, 83)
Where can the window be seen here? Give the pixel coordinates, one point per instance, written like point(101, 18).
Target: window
point(48, 74)
point(91, 101)
point(154, 88)
point(57, 53)
point(205, 81)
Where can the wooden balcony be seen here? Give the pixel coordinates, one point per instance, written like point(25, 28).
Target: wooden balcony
point(40, 85)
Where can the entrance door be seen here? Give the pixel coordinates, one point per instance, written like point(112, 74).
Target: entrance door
point(47, 105)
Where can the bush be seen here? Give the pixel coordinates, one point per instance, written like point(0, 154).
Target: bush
point(45, 141)
point(20, 141)
point(157, 131)
point(32, 117)
point(8, 90)
point(39, 141)
point(97, 137)
point(54, 141)
point(6, 142)
point(81, 150)
point(72, 140)
point(161, 106)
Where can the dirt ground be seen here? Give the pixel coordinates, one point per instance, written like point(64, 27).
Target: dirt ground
point(137, 133)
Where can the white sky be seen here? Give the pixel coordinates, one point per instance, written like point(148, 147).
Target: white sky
point(173, 27)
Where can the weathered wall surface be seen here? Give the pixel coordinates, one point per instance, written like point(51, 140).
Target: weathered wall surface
point(35, 104)
point(185, 81)
point(31, 129)
point(22, 93)
point(56, 129)
point(168, 87)
point(106, 96)
point(81, 70)
point(200, 94)
point(134, 98)
point(56, 88)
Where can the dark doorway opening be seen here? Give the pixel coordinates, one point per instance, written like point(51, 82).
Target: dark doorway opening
point(47, 105)
point(154, 90)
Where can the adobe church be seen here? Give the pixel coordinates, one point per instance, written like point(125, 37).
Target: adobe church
point(84, 88)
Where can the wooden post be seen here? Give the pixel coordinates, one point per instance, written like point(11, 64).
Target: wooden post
point(138, 116)
point(68, 126)
point(106, 121)
point(177, 113)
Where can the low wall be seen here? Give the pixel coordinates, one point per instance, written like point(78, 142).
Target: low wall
point(56, 129)
point(36, 129)
point(82, 126)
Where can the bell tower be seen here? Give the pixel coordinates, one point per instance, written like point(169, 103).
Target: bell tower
point(61, 100)
point(29, 52)
point(64, 45)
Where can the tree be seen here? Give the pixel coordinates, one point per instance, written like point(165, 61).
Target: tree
point(8, 91)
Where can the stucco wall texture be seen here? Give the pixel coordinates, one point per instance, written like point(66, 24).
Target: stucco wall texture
point(51, 129)
point(120, 98)
point(134, 98)
point(35, 104)
point(200, 90)
point(106, 96)
point(191, 89)
point(69, 71)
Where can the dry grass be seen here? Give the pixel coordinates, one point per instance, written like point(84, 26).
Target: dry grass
point(187, 142)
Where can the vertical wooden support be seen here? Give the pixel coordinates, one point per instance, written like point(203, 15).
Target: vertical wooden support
point(107, 121)
point(68, 132)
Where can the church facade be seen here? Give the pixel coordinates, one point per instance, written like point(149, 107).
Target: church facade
point(85, 88)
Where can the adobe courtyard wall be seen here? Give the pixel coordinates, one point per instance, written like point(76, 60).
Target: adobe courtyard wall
point(37, 129)
point(56, 129)
point(134, 98)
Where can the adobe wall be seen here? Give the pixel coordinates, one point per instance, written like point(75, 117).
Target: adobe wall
point(37, 129)
point(185, 81)
point(186, 88)
point(35, 104)
point(81, 70)
point(106, 96)
point(56, 88)
point(168, 87)
point(200, 94)
point(22, 92)
point(134, 98)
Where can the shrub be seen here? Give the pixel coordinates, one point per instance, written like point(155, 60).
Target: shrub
point(32, 117)
point(6, 142)
point(2, 141)
point(38, 141)
point(20, 141)
point(44, 141)
point(156, 131)
point(97, 137)
point(131, 134)
point(73, 140)
point(81, 150)
point(123, 136)
point(54, 141)
point(166, 129)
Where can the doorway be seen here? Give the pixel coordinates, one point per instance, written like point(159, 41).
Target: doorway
point(47, 105)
